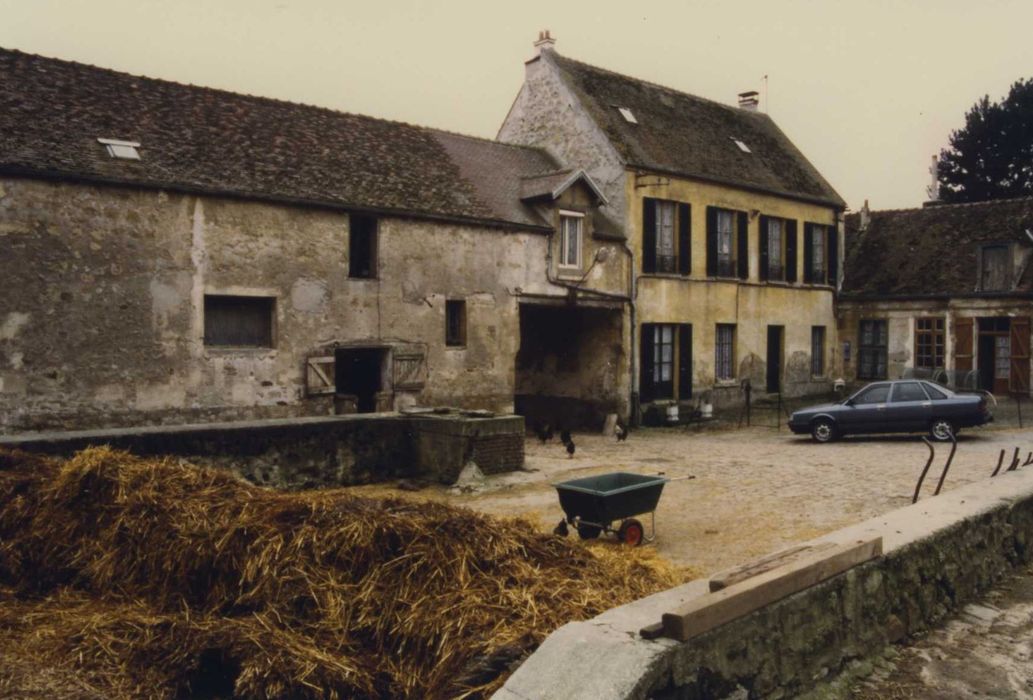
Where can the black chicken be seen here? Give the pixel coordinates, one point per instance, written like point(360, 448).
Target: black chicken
point(570, 449)
point(621, 431)
point(565, 437)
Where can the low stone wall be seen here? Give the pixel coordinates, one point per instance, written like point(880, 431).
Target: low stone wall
point(938, 554)
point(314, 452)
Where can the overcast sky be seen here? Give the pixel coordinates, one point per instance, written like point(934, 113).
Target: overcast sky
point(869, 91)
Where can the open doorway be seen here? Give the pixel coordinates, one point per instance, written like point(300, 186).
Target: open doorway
point(358, 373)
point(994, 354)
point(775, 345)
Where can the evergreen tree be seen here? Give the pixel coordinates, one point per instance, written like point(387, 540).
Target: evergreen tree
point(991, 157)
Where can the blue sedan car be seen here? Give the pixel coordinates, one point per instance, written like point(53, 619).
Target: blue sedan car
point(903, 406)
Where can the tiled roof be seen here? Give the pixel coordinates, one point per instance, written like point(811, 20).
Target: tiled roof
point(496, 171)
point(198, 139)
point(691, 136)
point(932, 251)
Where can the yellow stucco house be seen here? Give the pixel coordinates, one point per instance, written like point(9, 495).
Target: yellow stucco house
point(736, 239)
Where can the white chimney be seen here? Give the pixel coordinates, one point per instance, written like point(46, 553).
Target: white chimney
point(933, 190)
point(749, 100)
point(866, 216)
point(545, 41)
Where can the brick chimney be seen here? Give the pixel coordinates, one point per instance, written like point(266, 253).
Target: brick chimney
point(545, 41)
point(749, 100)
point(866, 216)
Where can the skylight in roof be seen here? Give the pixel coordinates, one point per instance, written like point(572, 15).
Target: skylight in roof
point(121, 149)
point(628, 115)
point(742, 146)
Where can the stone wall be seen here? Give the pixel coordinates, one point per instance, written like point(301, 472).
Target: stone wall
point(938, 554)
point(317, 452)
point(102, 318)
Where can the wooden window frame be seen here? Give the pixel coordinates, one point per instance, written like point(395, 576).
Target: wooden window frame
point(567, 218)
point(880, 350)
point(930, 342)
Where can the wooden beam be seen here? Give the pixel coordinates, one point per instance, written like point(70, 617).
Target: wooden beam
point(728, 577)
point(715, 609)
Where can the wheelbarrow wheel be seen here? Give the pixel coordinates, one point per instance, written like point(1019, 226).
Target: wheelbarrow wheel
point(588, 532)
point(631, 532)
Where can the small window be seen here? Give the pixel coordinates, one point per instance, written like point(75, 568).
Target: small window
point(909, 391)
point(121, 149)
point(238, 321)
point(877, 393)
point(455, 323)
point(628, 115)
point(570, 239)
point(818, 351)
point(994, 276)
point(362, 247)
point(725, 352)
point(742, 146)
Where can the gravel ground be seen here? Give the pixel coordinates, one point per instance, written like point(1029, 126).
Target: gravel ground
point(755, 490)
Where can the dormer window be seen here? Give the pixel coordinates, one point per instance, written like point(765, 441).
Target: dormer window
point(995, 268)
point(125, 150)
point(742, 146)
point(570, 239)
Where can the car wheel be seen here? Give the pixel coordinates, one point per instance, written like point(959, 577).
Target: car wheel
point(942, 429)
point(823, 430)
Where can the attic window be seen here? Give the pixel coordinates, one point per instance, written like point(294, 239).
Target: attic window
point(742, 146)
point(628, 115)
point(121, 149)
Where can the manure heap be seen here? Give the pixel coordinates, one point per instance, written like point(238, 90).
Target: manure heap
point(123, 577)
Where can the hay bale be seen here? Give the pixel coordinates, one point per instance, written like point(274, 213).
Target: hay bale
point(157, 577)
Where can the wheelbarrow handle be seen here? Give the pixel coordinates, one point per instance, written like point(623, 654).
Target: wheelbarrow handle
point(682, 478)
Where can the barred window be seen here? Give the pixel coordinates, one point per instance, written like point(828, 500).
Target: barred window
point(818, 351)
point(725, 352)
point(929, 342)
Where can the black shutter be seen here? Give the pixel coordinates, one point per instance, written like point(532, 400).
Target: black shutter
point(763, 248)
point(648, 234)
point(790, 232)
point(684, 361)
point(684, 239)
point(645, 384)
point(808, 253)
point(833, 249)
point(742, 252)
point(711, 242)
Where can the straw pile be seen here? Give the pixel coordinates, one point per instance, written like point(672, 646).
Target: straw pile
point(122, 577)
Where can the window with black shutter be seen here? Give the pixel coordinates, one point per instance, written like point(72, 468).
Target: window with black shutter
point(238, 321)
point(820, 254)
point(666, 352)
point(774, 249)
point(666, 237)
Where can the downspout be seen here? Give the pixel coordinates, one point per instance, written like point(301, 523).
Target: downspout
point(634, 418)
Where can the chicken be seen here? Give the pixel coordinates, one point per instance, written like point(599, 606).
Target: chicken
point(565, 437)
point(621, 431)
point(570, 449)
point(544, 432)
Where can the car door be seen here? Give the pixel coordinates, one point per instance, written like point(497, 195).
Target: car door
point(867, 409)
point(909, 408)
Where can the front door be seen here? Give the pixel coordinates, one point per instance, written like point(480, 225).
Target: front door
point(775, 334)
point(995, 353)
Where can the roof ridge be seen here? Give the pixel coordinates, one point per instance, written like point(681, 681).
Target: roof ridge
point(625, 76)
point(946, 205)
point(208, 88)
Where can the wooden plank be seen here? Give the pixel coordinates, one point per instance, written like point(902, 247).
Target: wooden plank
point(729, 577)
point(715, 609)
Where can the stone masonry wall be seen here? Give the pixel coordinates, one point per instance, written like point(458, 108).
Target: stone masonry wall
point(102, 305)
point(317, 452)
point(938, 554)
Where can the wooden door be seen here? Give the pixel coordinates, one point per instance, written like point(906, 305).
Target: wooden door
point(962, 346)
point(1019, 375)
